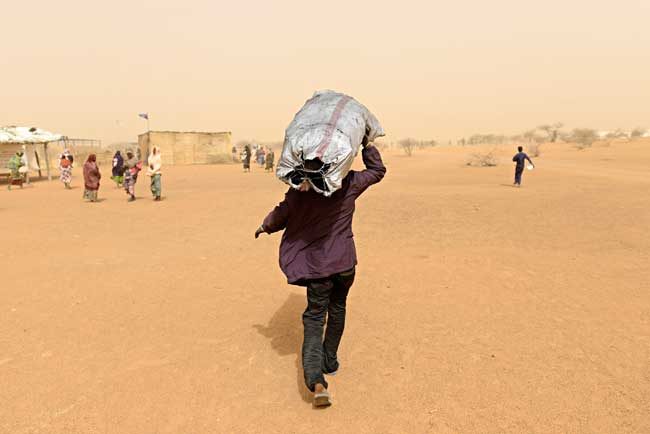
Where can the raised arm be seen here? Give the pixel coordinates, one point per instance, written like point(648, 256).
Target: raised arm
point(374, 171)
point(276, 220)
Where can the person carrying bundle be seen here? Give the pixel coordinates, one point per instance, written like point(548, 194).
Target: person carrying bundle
point(317, 251)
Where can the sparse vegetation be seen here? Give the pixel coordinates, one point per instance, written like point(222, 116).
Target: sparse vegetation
point(583, 137)
point(638, 132)
point(531, 136)
point(426, 144)
point(483, 159)
point(552, 131)
point(408, 145)
point(618, 134)
point(488, 139)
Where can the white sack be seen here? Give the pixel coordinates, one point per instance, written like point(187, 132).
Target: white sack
point(330, 127)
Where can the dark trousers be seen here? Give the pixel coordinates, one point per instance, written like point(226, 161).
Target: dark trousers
point(325, 298)
point(518, 172)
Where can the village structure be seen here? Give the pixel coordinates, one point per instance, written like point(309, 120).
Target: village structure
point(41, 149)
point(183, 148)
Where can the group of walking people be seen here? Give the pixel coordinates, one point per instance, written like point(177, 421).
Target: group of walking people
point(124, 173)
point(264, 157)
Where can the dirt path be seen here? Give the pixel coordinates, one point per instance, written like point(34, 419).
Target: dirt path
point(478, 307)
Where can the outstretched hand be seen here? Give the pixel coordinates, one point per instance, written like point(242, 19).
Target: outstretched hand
point(259, 231)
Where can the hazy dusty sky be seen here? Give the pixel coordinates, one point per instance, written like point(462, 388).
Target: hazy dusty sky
point(430, 69)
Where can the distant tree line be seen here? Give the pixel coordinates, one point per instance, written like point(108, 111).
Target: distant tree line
point(552, 133)
point(410, 144)
point(533, 138)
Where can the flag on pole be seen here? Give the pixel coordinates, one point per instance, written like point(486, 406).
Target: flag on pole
point(144, 116)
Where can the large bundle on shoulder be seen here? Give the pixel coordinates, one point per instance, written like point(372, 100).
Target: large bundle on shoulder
point(329, 129)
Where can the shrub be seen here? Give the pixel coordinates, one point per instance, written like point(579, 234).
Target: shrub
point(483, 159)
point(408, 145)
point(552, 131)
point(638, 132)
point(583, 137)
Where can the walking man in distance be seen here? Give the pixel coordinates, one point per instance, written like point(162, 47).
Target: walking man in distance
point(520, 158)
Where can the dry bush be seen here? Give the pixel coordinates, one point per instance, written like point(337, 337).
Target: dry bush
point(487, 139)
point(638, 132)
point(408, 145)
point(552, 131)
point(583, 137)
point(483, 159)
point(422, 144)
point(618, 134)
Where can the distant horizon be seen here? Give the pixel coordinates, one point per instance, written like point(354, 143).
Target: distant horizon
point(426, 69)
point(386, 139)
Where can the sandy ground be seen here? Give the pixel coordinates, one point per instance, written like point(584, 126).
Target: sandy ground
point(478, 307)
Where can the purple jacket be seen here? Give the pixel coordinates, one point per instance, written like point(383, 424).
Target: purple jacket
point(318, 240)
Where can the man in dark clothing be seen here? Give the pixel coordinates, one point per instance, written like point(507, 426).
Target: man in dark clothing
point(317, 251)
point(520, 158)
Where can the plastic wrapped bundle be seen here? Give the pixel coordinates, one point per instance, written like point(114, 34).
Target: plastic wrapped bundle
point(330, 128)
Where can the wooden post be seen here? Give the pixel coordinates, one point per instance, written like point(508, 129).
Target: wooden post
point(47, 162)
point(25, 154)
point(38, 163)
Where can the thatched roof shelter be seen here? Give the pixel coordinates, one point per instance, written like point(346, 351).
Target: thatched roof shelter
point(13, 139)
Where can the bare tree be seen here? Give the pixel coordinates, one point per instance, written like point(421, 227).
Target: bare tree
point(583, 137)
point(426, 144)
point(552, 130)
point(408, 145)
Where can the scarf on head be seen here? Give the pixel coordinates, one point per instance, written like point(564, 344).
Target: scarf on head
point(155, 162)
point(91, 173)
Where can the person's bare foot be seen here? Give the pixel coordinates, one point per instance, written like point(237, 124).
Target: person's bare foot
point(321, 396)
